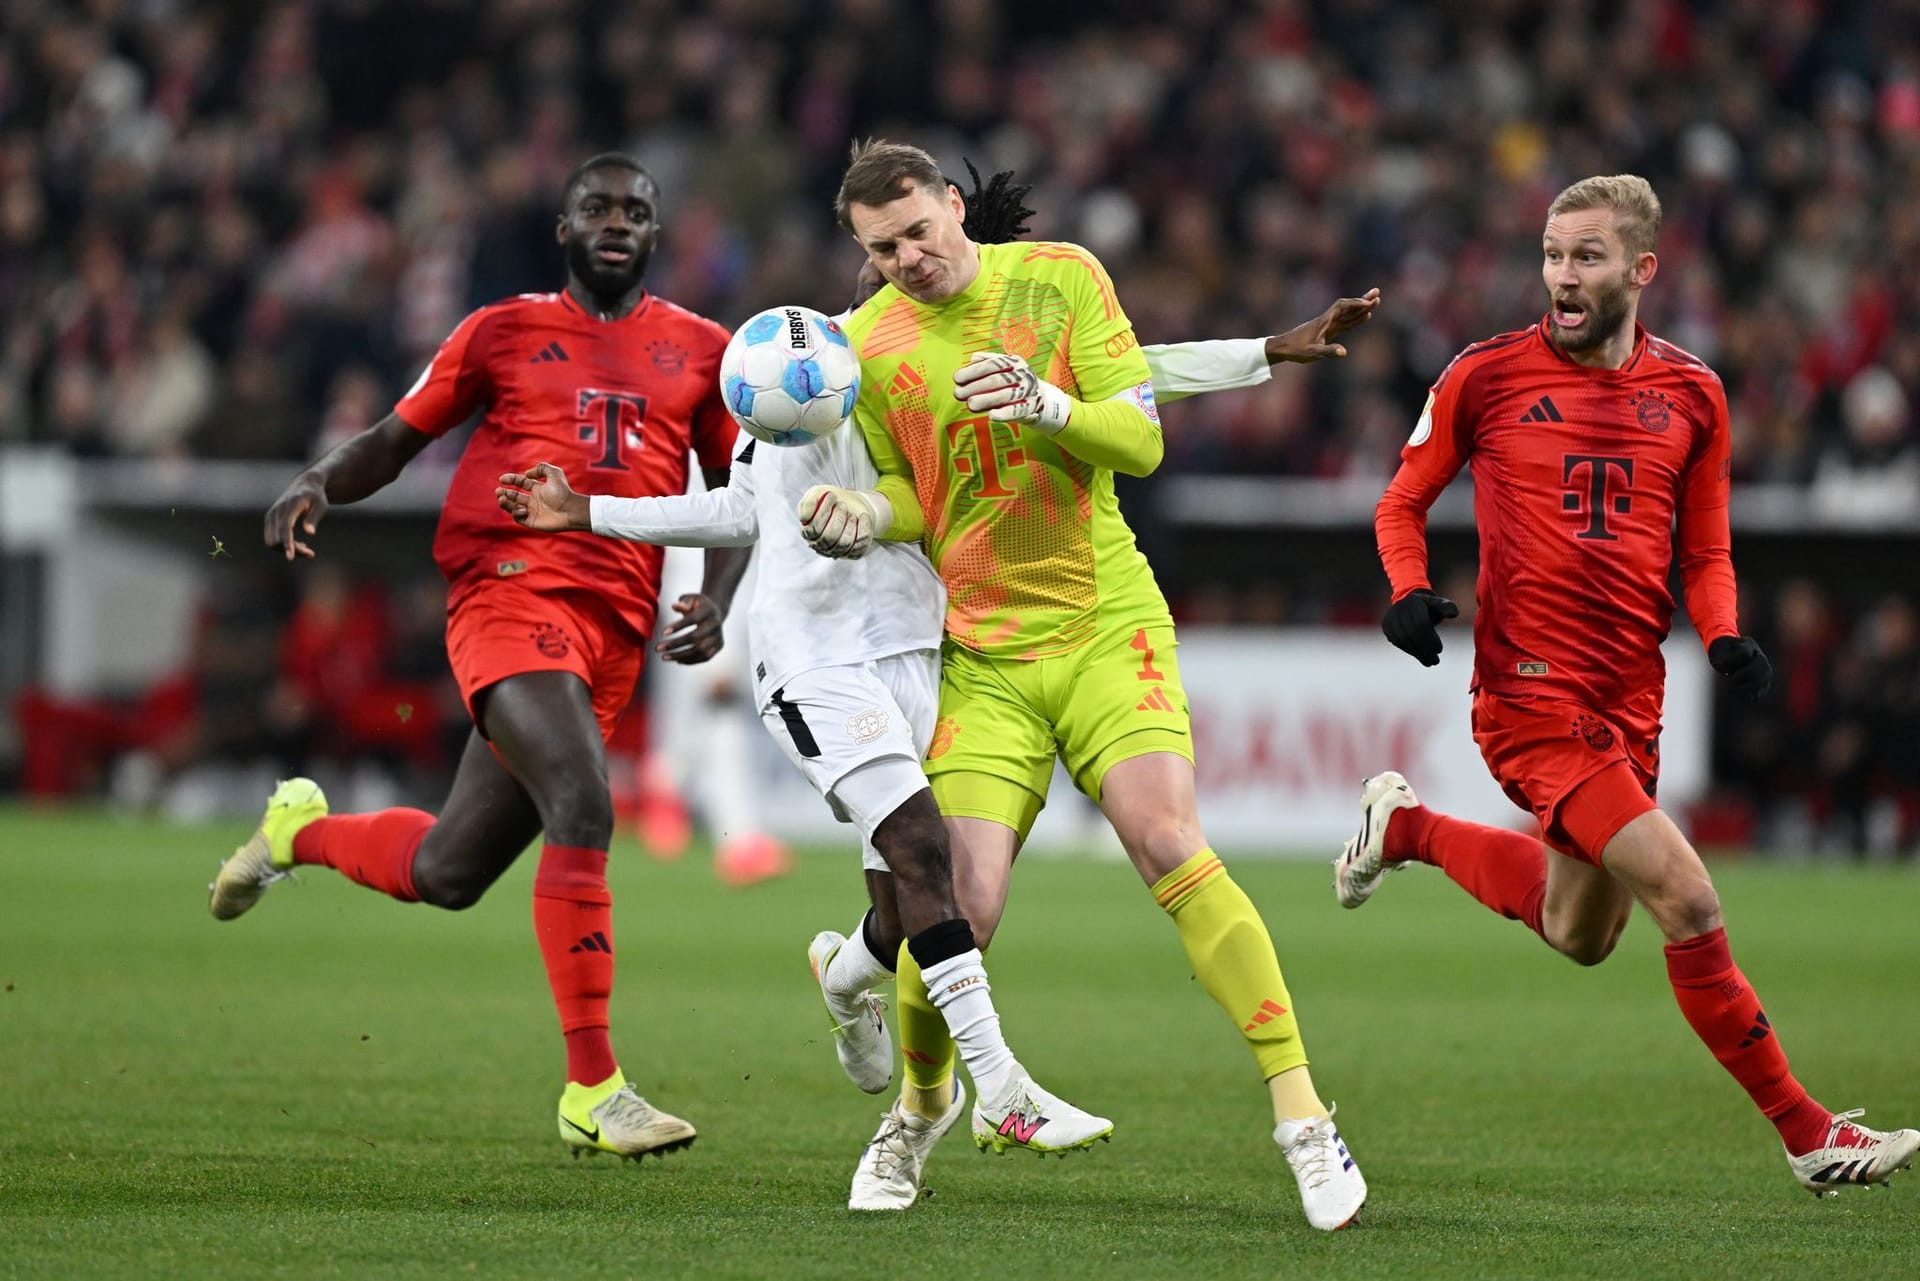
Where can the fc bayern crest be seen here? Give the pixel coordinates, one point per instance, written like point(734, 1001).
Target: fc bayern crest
point(1655, 410)
point(668, 358)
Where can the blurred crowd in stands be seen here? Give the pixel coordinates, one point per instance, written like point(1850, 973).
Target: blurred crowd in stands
point(237, 231)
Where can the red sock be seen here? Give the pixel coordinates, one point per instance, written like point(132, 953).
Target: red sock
point(1505, 870)
point(1725, 1013)
point(374, 849)
point(573, 920)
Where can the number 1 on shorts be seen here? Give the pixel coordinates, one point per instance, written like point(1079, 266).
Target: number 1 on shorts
point(1147, 670)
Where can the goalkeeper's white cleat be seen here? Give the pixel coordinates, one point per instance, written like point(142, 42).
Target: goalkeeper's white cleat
point(1362, 864)
point(1332, 1189)
point(860, 1035)
point(268, 853)
point(888, 1176)
point(1028, 1118)
point(612, 1117)
point(1853, 1154)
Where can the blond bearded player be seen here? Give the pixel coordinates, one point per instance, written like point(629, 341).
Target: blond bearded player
point(1001, 389)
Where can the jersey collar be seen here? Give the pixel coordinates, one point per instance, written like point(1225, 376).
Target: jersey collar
point(1639, 348)
point(640, 309)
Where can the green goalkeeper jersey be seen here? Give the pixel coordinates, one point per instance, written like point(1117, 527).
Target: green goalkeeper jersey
point(1022, 527)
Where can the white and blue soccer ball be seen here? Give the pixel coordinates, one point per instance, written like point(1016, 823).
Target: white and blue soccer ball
point(789, 376)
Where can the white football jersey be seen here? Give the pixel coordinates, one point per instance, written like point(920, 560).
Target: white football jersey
point(807, 611)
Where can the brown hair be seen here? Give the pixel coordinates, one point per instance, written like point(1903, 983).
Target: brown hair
point(1636, 209)
point(880, 172)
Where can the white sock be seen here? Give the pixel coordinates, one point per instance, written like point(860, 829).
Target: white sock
point(854, 968)
point(959, 989)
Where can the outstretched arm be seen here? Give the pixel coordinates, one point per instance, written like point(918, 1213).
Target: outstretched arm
point(1224, 364)
point(541, 499)
point(347, 473)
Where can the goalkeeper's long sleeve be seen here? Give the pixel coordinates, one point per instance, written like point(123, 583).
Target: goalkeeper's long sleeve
point(1115, 434)
point(909, 522)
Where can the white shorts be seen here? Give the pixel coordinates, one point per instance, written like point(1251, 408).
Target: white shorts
point(858, 733)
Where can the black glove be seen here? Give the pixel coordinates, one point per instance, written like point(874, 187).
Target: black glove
point(1741, 660)
point(1409, 624)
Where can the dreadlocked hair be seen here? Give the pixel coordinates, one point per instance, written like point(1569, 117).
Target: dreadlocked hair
point(995, 213)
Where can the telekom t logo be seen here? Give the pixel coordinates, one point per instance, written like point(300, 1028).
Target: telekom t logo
point(1605, 487)
point(977, 453)
point(611, 420)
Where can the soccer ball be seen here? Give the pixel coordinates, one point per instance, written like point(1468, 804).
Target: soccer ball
point(789, 376)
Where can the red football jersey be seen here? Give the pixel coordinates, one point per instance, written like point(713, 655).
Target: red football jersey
point(1579, 476)
point(617, 404)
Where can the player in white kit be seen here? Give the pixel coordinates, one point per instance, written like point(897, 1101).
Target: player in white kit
point(845, 657)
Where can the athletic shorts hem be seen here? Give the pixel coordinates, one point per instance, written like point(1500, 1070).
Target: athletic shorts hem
point(1143, 742)
point(976, 794)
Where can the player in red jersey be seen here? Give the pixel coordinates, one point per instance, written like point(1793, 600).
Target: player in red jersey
point(545, 635)
point(1588, 438)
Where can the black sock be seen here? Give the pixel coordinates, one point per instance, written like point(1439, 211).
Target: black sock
point(941, 942)
point(887, 956)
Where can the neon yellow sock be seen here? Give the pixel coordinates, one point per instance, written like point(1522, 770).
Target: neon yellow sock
point(924, 1043)
point(1232, 956)
point(1294, 1098)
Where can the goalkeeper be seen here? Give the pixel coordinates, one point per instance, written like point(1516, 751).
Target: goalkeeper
point(1001, 388)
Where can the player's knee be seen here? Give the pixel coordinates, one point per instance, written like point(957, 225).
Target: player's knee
point(452, 889)
point(914, 843)
point(1588, 947)
point(1691, 912)
point(1162, 843)
point(579, 811)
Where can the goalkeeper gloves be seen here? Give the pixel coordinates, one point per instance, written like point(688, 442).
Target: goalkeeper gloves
point(1741, 660)
point(1003, 388)
point(1411, 624)
point(842, 523)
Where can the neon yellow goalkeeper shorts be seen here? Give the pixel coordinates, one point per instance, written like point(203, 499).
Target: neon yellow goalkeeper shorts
point(1003, 721)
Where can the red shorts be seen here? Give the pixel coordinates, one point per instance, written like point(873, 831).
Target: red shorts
point(1541, 750)
point(505, 630)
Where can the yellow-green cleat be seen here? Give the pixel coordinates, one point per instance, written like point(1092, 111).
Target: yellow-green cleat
point(612, 1117)
point(268, 853)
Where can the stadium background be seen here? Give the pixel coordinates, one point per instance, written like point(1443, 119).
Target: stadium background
point(231, 234)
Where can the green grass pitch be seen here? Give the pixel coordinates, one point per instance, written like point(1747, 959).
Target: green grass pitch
point(340, 1086)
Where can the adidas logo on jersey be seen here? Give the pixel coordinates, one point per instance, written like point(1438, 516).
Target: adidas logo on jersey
point(1543, 411)
point(906, 379)
point(552, 351)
